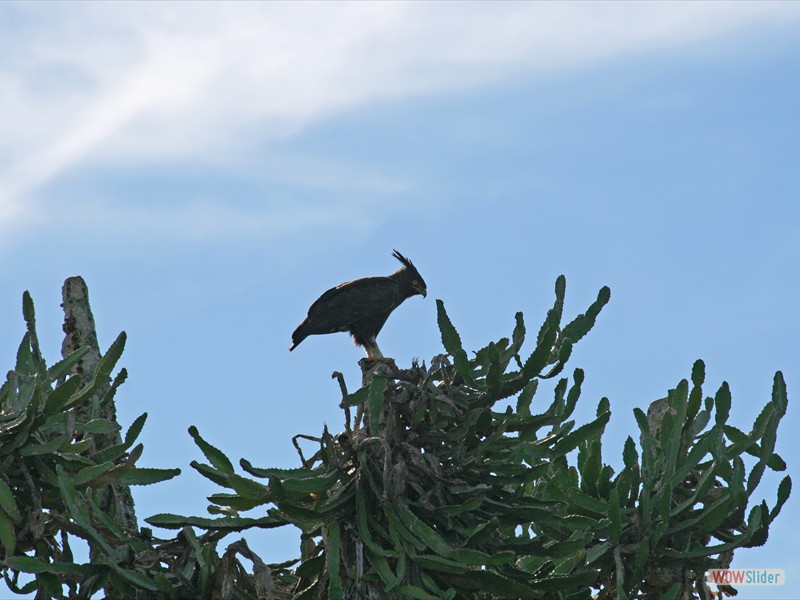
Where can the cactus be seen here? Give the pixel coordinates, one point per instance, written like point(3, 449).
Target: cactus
point(441, 487)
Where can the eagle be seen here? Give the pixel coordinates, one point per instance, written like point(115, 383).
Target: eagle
point(361, 307)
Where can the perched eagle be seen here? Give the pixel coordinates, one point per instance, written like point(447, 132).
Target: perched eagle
point(361, 306)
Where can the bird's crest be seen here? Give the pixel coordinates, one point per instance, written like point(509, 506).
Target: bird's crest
point(403, 260)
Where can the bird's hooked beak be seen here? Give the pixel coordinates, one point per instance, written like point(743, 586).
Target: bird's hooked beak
point(421, 289)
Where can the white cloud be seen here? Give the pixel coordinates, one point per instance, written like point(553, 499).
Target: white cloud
point(130, 83)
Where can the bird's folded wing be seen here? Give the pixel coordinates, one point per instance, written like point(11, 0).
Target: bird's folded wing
point(359, 299)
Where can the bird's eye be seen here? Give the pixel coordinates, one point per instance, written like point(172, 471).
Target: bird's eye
point(415, 282)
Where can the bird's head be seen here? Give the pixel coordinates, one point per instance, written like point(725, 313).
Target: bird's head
point(410, 277)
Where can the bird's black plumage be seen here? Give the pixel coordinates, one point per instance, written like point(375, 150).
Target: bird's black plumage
point(361, 307)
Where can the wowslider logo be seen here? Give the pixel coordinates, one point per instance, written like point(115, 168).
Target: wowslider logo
point(746, 576)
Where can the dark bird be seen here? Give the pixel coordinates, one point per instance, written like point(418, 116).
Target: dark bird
point(361, 306)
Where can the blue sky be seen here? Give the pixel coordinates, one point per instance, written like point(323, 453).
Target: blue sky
point(210, 169)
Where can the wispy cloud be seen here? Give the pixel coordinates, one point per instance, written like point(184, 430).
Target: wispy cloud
point(86, 84)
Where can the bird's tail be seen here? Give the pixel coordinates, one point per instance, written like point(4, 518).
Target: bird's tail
point(298, 336)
